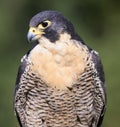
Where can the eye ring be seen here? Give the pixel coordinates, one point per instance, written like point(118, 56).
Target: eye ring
point(44, 24)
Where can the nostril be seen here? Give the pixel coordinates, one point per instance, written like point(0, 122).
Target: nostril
point(33, 30)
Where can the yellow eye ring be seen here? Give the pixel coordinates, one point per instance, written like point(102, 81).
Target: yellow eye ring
point(44, 24)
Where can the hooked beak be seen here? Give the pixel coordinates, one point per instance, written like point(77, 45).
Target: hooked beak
point(34, 34)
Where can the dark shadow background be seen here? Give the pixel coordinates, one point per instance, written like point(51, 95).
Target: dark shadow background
point(97, 22)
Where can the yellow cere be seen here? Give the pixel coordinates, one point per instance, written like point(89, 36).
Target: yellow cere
point(36, 31)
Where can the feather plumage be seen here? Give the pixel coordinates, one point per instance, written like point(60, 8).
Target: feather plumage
point(60, 84)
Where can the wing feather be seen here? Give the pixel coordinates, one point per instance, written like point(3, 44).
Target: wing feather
point(17, 84)
point(99, 68)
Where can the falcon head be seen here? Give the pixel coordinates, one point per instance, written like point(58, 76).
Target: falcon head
point(50, 24)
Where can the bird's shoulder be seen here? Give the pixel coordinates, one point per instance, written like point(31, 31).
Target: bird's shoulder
point(23, 65)
point(98, 65)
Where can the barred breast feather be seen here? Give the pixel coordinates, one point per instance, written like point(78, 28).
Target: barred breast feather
point(60, 86)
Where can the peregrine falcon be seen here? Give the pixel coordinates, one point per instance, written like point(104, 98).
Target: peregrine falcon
point(60, 81)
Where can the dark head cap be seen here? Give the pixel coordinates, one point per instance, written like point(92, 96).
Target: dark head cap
point(59, 24)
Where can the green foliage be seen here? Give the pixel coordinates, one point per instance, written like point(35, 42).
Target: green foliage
point(97, 22)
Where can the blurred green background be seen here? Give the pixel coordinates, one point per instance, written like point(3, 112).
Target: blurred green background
point(97, 22)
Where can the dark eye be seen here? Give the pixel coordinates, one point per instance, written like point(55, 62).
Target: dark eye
point(44, 24)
